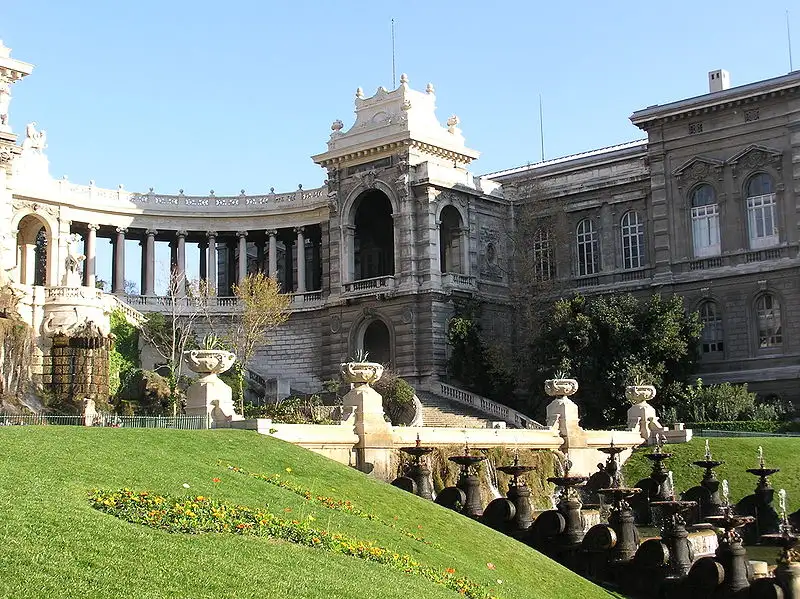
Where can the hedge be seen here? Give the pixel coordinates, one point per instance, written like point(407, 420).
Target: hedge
point(750, 426)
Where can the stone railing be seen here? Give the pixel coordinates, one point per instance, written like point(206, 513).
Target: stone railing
point(487, 406)
point(56, 293)
point(385, 283)
point(738, 258)
point(132, 315)
point(91, 194)
point(307, 299)
point(458, 281)
point(215, 304)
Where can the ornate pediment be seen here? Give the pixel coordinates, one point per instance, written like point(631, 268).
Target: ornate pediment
point(753, 157)
point(698, 168)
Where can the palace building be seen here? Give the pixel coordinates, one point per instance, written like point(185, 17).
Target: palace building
point(705, 207)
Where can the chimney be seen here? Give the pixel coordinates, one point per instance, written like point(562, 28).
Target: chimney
point(718, 80)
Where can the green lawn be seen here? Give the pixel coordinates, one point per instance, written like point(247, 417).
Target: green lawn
point(55, 545)
point(739, 454)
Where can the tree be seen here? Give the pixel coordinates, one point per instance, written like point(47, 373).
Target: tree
point(171, 332)
point(261, 308)
point(609, 342)
point(124, 356)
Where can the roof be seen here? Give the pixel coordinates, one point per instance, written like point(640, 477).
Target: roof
point(733, 94)
point(639, 143)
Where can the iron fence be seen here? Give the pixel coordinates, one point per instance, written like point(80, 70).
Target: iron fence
point(699, 432)
point(109, 420)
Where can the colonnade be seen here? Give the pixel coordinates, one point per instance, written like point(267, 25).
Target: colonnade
point(291, 255)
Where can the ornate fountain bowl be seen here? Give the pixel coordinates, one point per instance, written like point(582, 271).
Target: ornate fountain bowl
point(568, 481)
point(416, 451)
point(612, 450)
point(730, 521)
point(673, 507)
point(763, 472)
point(708, 464)
point(516, 470)
point(206, 362)
point(361, 373)
point(467, 460)
point(620, 492)
point(658, 456)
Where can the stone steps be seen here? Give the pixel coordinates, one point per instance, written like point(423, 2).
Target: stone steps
point(440, 412)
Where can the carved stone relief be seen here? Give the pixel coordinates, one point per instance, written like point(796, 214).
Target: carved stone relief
point(490, 252)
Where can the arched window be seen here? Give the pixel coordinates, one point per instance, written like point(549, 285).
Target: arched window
point(632, 240)
point(588, 249)
point(705, 221)
point(712, 336)
point(768, 321)
point(452, 240)
point(372, 236)
point(762, 224)
point(542, 255)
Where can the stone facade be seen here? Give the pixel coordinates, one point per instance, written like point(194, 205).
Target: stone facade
point(375, 258)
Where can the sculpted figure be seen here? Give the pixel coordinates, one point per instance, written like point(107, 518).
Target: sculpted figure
point(34, 140)
point(72, 276)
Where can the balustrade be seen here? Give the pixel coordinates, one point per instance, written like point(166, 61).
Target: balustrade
point(487, 406)
point(366, 285)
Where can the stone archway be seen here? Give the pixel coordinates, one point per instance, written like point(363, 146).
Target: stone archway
point(372, 241)
point(452, 241)
point(376, 339)
point(33, 251)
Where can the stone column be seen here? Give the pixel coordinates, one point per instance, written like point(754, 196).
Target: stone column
point(118, 278)
point(288, 270)
point(180, 261)
point(348, 255)
point(149, 257)
point(260, 255)
point(211, 274)
point(242, 262)
point(273, 253)
point(203, 246)
point(301, 260)
point(90, 265)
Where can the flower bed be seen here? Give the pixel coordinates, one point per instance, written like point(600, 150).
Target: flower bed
point(199, 514)
point(339, 505)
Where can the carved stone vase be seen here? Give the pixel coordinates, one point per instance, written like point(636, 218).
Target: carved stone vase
point(361, 373)
point(208, 395)
point(560, 387)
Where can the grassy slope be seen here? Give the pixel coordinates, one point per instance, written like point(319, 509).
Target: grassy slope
point(52, 544)
point(739, 454)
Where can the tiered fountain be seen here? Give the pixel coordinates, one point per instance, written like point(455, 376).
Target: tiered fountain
point(418, 470)
point(675, 536)
point(655, 487)
point(569, 505)
point(707, 493)
point(469, 483)
point(759, 504)
point(788, 571)
point(621, 518)
point(731, 554)
point(518, 493)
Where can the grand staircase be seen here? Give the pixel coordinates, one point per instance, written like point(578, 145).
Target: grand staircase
point(438, 411)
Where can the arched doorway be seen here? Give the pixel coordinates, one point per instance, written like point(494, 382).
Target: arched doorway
point(378, 342)
point(451, 241)
point(33, 251)
point(373, 236)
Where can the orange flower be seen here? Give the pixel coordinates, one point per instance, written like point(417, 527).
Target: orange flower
point(215, 480)
point(287, 509)
point(450, 571)
point(490, 565)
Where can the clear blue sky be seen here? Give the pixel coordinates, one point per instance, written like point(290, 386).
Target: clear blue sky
point(227, 96)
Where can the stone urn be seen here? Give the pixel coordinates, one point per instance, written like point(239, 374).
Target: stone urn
point(640, 393)
point(208, 362)
point(560, 387)
point(562, 411)
point(208, 395)
point(361, 373)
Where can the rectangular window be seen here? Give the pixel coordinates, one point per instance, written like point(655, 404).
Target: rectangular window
point(761, 222)
point(705, 230)
point(542, 257)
